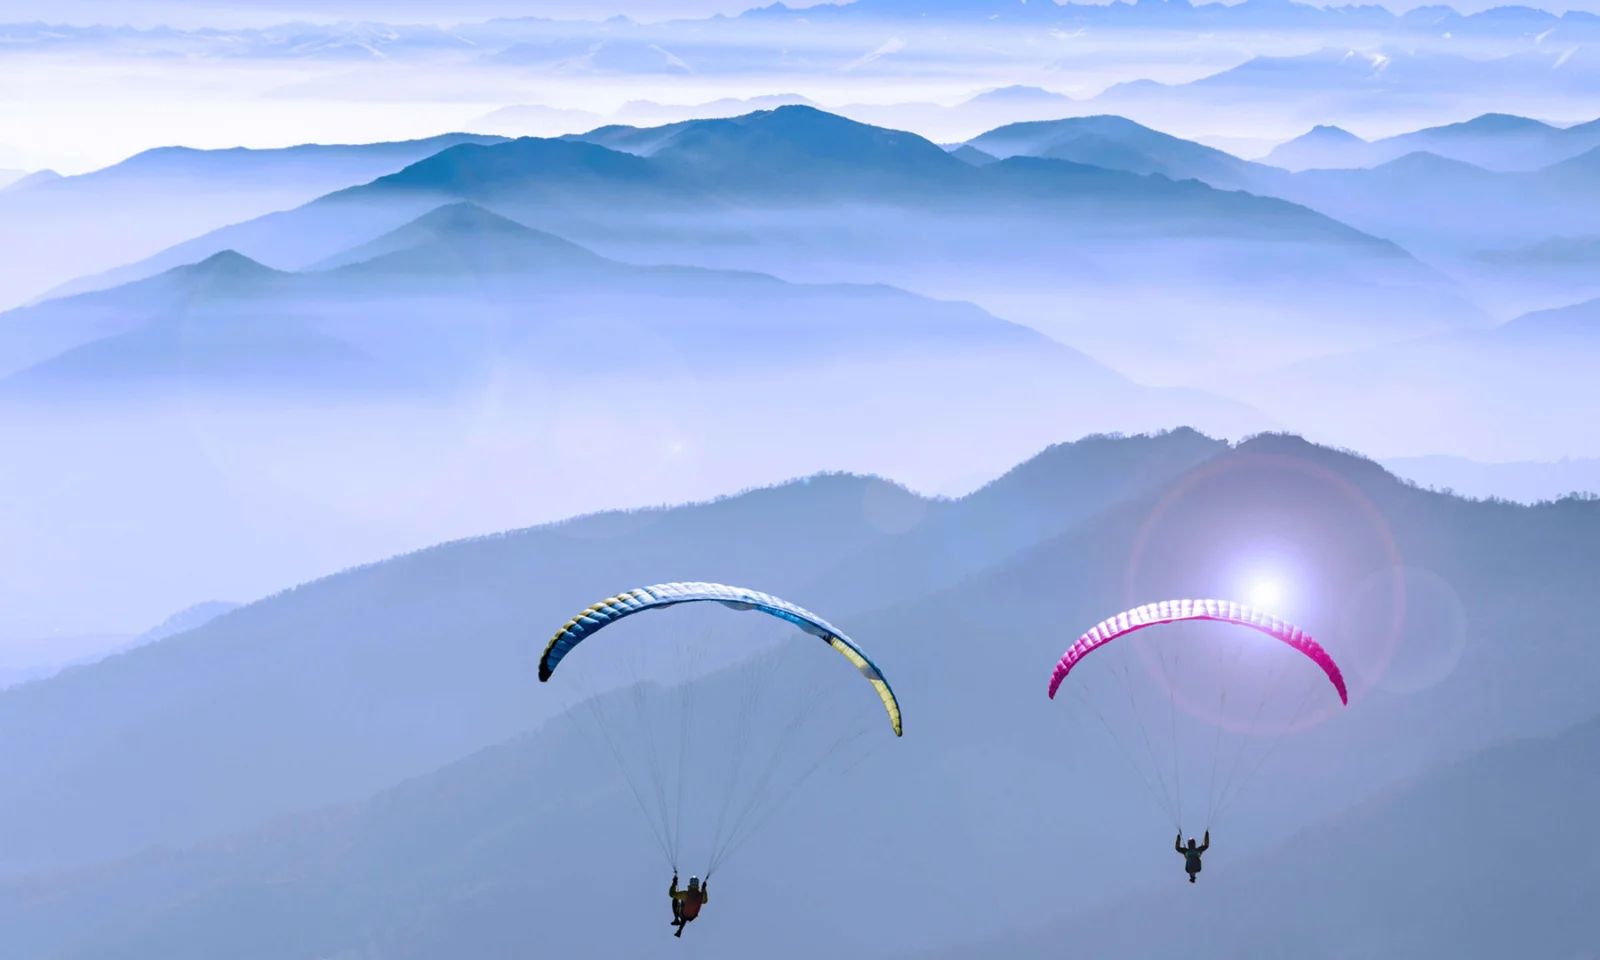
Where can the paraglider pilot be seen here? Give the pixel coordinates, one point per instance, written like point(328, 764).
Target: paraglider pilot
point(686, 904)
point(1191, 853)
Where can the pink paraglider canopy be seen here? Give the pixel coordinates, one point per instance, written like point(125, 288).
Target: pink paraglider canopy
point(1224, 611)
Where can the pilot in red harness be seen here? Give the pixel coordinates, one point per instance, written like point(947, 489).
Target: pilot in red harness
point(686, 904)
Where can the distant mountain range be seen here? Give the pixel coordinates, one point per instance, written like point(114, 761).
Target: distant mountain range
point(369, 318)
point(980, 111)
point(1524, 482)
point(1120, 144)
point(28, 661)
point(1181, 13)
point(1499, 394)
point(307, 397)
point(777, 155)
point(1492, 141)
point(465, 307)
point(1340, 77)
point(55, 228)
point(1556, 252)
point(1333, 72)
point(1370, 85)
point(1212, 289)
point(1415, 199)
point(499, 37)
point(1424, 65)
point(678, 192)
point(763, 192)
point(1527, 377)
point(34, 179)
point(1374, 66)
point(1411, 78)
point(461, 371)
point(1553, 271)
point(1106, 142)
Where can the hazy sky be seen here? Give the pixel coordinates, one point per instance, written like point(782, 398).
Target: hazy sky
point(233, 13)
point(73, 111)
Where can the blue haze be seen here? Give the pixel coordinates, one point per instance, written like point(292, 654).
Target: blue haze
point(964, 325)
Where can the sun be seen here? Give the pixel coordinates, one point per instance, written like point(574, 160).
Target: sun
point(1265, 593)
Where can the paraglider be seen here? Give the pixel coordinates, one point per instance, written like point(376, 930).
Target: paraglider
point(1191, 853)
point(686, 904)
point(734, 824)
point(1168, 778)
point(664, 595)
point(1170, 611)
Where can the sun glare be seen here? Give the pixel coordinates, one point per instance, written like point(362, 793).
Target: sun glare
point(1265, 594)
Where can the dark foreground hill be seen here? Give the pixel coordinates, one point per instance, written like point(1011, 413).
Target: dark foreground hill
point(326, 693)
point(1493, 857)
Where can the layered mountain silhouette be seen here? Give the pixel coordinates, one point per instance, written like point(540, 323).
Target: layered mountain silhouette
point(1554, 252)
point(65, 227)
point(1176, 13)
point(773, 157)
point(762, 160)
point(1323, 146)
point(543, 38)
point(650, 112)
point(228, 315)
point(1498, 394)
point(1556, 270)
point(807, 195)
point(465, 238)
point(26, 181)
point(1405, 188)
point(1342, 77)
point(1523, 481)
point(1415, 199)
point(1493, 141)
point(31, 660)
point(32, 335)
point(972, 155)
point(457, 371)
point(1120, 144)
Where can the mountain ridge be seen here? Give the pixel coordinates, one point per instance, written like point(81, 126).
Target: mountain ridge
point(1506, 143)
point(567, 172)
point(227, 309)
point(62, 228)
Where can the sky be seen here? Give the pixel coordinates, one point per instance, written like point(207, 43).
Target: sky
point(240, 13)
point(76, 110)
